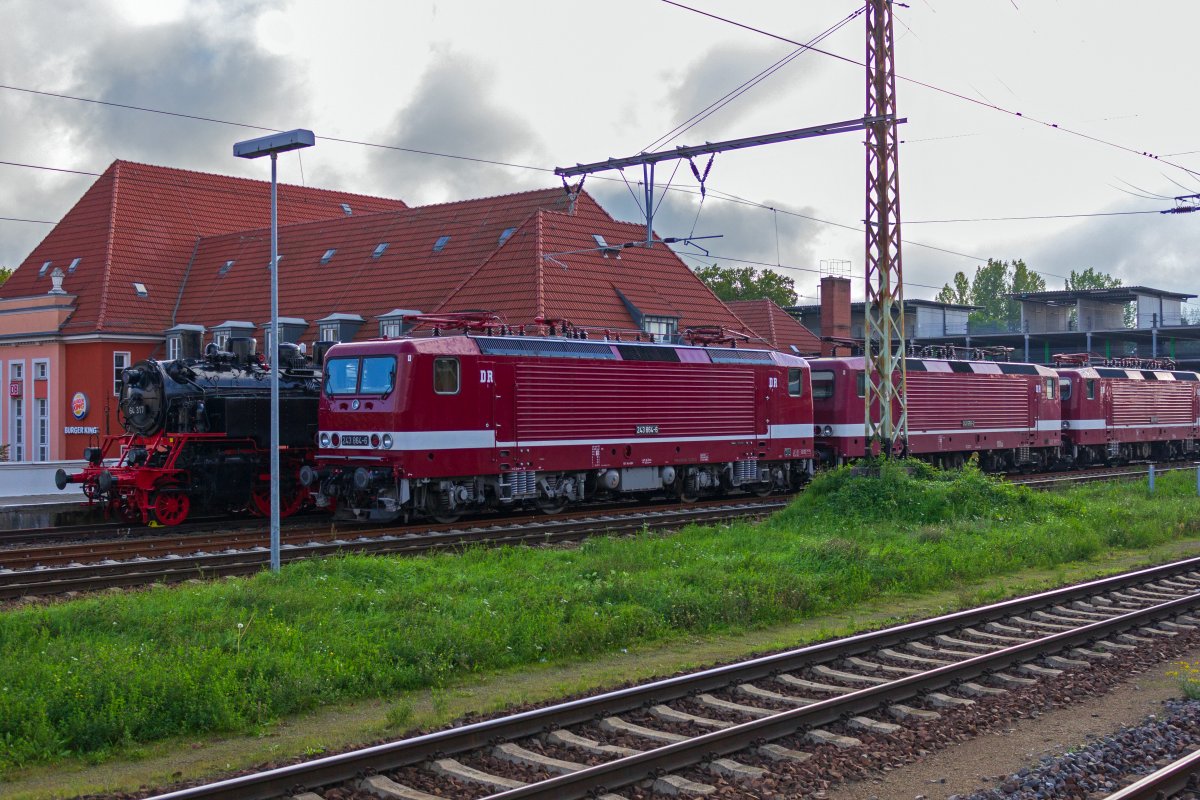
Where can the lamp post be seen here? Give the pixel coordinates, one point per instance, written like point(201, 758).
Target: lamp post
point(272, 146)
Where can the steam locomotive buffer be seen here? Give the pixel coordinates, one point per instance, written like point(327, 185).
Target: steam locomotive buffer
point(197, 436)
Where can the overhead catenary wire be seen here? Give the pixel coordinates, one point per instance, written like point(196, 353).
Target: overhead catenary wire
point(947, 92)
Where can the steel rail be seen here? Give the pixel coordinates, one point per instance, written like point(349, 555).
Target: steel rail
point(57, 580)
point(632, 769)
point(346, 766)
point(1166, 782)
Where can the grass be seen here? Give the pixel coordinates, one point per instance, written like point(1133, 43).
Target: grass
point(92, 677)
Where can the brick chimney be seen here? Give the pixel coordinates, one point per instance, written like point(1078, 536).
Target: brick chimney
point(835, 311)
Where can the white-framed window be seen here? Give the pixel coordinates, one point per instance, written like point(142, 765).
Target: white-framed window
point(120, 364)
point(41, 370)
point(663, 329)
point(174, 347)
point(390, 328)
point(41, 412)
point(221, 340)
point(16, 413)
point(329, 333)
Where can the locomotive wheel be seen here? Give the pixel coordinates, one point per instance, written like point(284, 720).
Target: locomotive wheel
point(291, 498)
point(171, 508)
point(550, 505)
point(762, 489)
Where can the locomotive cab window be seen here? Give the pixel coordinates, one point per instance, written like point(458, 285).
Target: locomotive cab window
point(1050, 388)
point(341, 376)
point(378, 375)
point(445, 375)
point(822, 384)
point(860, 384)
point(795, 382)
point(1091, 390)
point(1066, 388)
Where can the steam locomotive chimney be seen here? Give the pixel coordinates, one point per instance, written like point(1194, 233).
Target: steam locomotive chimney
point(835, 311)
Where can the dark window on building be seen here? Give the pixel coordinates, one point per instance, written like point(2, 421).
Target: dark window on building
point(445, 375)
point(860, 384)
point(1091, 389)
point(1066, 389)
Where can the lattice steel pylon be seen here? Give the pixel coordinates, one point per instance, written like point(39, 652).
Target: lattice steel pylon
point(884, 341)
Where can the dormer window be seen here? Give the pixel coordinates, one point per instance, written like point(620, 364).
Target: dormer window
point(74, 264)
point(43, 268)
point(329, 333)
point(663, 329)
point(174, 347)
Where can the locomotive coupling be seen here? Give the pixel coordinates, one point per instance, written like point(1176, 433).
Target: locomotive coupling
point(61, 479)
point(106, 481)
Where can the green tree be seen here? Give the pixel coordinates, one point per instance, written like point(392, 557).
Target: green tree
point(5, 272)
point(988, 289)
point(746, 283)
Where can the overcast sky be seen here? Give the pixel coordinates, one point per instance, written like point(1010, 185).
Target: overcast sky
point(543, 83)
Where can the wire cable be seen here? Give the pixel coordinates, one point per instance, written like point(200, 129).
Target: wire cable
point(947, 92)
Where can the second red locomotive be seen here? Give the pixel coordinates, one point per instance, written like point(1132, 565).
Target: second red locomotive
point(444, 425)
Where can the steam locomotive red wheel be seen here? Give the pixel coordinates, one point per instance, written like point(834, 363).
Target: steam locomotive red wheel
point(171, 508)
point(291, 498)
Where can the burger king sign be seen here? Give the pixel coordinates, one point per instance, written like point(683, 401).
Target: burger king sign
point(79, 405)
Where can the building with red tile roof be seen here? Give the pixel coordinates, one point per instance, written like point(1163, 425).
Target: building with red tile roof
point(778, 329)
point(149, 252)
point(97, 293)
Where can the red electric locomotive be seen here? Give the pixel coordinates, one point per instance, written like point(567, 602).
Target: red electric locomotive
point(440, 426)
point(1127, 409)
point(1008, 413)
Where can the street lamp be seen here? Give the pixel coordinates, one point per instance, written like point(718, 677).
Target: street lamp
point(272, 146)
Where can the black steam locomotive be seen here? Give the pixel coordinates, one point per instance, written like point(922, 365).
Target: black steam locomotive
point(197, 436)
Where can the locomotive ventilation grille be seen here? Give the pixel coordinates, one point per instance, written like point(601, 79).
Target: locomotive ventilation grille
point(731, 355)
point(547, 349)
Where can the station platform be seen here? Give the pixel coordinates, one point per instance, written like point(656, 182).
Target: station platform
point(28, 498)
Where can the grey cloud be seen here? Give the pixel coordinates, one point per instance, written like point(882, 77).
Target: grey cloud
point(451, 112)
point(721, 70)
point(201, 65)
point(1160, 250)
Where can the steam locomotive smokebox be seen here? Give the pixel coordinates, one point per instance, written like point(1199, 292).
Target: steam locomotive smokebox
point(250, 417)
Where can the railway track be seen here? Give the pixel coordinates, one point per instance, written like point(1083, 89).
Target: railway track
point(764, 727)
point(210, 549)
point(1181, 778)
point(174, 559)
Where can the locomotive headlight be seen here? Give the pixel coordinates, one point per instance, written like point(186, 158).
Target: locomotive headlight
point(387, 441)
point(375, 440)
point(828, 430)
point(324, 440)
point(337, 440)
